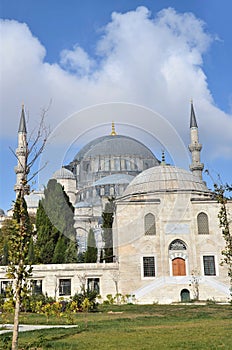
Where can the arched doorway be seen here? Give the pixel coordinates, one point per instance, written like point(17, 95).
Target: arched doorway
point(185, 295)
point(178, 267)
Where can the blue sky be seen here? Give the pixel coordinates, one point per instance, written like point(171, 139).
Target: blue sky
point(78, 54)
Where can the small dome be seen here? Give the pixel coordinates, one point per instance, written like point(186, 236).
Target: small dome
point(165, 178)
point(2, 213)
point(118, 179)
point(63, 173)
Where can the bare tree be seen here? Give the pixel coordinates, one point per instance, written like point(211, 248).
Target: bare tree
point(19, 268)
point(195, 283)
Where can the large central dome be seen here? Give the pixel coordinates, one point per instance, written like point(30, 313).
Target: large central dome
point(109, 155)
point(114, 145)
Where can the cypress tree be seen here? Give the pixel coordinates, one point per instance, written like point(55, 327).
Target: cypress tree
point(5, 233)
point(55, 218)
point(5, 258)
point(91, 252)
point(31, 253)
point(71, 253)
point(108, 218)
point(47, 236)
point(59, 252)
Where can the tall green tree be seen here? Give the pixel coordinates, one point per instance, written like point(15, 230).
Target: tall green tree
point(59, 252)
point(47, 236)
point(55, 226)
point(5, 233)
point(220, 192)
point(107, 224)
point(91, 252)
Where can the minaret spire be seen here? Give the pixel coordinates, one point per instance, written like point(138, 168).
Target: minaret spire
point(21, 153)
point(195, 147)
point(193, 121)
point(22, 123)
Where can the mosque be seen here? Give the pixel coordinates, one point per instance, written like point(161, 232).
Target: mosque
point(167, 241)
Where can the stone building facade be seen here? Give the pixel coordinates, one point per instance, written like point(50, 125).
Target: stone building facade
point(166, 236)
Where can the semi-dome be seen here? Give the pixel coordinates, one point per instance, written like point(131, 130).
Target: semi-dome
point(165, 178)
point(63, 173)
point(2, 213)
point(116, 179)
point(114, 145)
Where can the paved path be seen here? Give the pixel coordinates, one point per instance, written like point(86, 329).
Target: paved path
point(28, 327)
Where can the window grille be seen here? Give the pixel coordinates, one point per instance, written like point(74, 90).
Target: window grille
point(177, 244)
point(203, 224)
point(209, 265)
point(149, 224)
point(149, 266)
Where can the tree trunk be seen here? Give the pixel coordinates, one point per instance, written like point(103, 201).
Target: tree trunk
point(16, 323)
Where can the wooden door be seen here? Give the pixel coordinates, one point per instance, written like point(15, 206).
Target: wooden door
point(178, 267)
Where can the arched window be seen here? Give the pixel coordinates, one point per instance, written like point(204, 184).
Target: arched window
point(202, 224)
point(177, 244)
point(149, 224)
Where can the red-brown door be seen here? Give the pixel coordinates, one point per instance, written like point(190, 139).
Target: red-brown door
point(178, 267)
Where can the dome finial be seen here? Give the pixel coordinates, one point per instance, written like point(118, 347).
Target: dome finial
point(113, 132)
point(163, 162)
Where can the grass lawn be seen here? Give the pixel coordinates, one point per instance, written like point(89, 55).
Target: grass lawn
point(134, 327)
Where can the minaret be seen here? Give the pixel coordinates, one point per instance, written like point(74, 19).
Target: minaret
point(195, 147)
point(21, 153)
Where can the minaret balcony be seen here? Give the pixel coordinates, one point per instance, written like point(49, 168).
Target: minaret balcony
point(195, 147)
point(194, 167)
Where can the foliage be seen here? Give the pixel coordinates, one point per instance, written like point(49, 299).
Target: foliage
point(91, 252)
point(107, 224)
point(19, 268)
point(5, 233)
point(224, 222)
point(80, 299)
point(56, 236)
point(59, 252)
point(119, 299)
point(81, 257)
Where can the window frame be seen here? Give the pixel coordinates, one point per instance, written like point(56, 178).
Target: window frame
point(69, 287)
point(34, 289)
point(146, 277)
point(5, 283)
point(208, 267)
point(95, 287)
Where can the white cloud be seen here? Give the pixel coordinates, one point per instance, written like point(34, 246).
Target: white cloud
point(76, 60)
point(156, 62)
